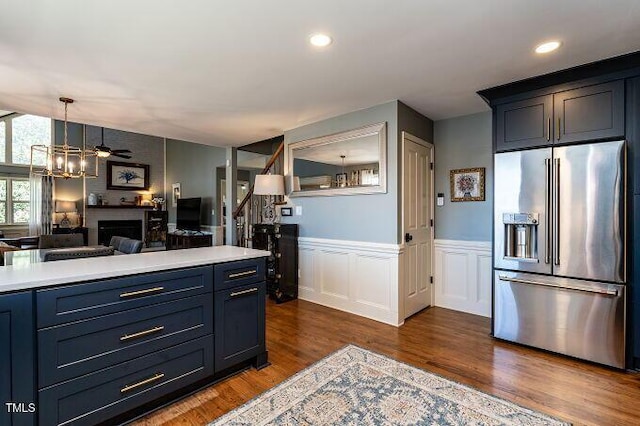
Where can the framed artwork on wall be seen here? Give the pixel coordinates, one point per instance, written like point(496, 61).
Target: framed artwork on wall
point(467, 184)
point(127, 176)
point(175, 193)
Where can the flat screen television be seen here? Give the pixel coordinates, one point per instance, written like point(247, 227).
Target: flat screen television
point(188, 214)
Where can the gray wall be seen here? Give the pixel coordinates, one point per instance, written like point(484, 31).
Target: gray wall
point(307, 168)
point(145, 149)
point(463, 142)
point(194, 167)
point(370, 218)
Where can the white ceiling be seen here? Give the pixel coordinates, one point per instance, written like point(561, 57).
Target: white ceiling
point(234, 72)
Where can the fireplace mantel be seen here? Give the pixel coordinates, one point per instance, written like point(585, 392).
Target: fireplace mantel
point(118, 206)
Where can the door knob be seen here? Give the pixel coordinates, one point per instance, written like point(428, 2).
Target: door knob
point(407, 237)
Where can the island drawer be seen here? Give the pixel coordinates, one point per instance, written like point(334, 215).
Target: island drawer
point(233, 274)
point(104, 394)
point(70, 350)
point(86, 300)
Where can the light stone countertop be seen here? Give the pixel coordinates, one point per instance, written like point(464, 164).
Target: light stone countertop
point(42, 274)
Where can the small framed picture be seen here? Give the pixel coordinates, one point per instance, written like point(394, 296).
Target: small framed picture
point(467, 184)
point(286, 211)
point(127, 176)
point(175, 194)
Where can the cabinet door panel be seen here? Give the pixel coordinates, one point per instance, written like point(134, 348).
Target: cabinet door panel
point(103, 394)
point(78, 348)
point(88, 300)
point(635, 279)
point(17, 381)
point(239, 324)
point(234, 274)
point(524, 124)
point(589, 113)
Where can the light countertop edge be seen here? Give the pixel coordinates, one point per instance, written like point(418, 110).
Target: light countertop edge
point(44, 274)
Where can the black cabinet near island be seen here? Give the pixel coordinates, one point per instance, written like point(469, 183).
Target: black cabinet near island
point(114, 349)
point(282, 266)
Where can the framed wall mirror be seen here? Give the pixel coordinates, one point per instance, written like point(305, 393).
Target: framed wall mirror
point(346, 163)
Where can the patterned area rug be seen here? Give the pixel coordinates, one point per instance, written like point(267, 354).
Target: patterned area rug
point(354, 386)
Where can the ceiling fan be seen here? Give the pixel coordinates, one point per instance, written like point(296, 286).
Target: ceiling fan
point(103, 151)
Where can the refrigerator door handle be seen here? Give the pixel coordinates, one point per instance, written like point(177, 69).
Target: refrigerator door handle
point(556, 212)
point(610, 292)
point(547, 225)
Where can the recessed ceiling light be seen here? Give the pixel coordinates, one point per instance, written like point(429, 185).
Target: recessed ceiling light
point(547, 47)
point(320, 40)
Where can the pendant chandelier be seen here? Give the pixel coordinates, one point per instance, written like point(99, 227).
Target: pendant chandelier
point(64, 161)
point(341, 178)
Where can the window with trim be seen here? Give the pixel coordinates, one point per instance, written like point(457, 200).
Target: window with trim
point(14, 201)
point(18, 132)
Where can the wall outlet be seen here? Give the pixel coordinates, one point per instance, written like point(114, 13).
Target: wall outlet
point(298, 210)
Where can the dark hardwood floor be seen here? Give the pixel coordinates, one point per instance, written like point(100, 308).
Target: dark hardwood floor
point(452, 344)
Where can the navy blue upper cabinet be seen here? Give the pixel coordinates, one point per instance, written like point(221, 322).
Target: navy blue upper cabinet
point(589, 113)
point(583, 114)
point(524, 123)
point(17, 380)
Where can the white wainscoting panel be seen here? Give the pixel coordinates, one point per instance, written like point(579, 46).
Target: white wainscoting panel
point(462, 276)
point(352, 276)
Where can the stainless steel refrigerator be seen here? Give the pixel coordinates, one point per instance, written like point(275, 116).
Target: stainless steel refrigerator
point(559, 250)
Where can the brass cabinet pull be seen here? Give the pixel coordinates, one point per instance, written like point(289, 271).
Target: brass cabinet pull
point(558, 132)
point(128, 388)
point(240, 293)
point(141, 333)
point(141, 292)
point(549, 129)
point(242, 274)
point(278, 255)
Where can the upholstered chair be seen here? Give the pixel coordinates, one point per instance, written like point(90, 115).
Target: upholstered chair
point(126, 245)
point(115, 242)
point(129, 246)
point(48, 241)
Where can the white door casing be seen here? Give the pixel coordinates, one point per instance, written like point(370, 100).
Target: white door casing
point(417, 229)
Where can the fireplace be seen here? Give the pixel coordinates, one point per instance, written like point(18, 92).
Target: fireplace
point(119, 228)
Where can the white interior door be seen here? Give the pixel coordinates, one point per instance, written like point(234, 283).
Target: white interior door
point(417, 200)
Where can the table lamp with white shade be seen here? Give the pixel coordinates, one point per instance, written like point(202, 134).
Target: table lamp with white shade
point(65, 207)
point(270, 186)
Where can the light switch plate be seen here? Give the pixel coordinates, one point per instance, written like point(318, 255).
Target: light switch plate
point(440, 199)
point(298, 210)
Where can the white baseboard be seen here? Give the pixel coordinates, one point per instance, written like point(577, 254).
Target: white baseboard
point(353, 276)
point(462, 276)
